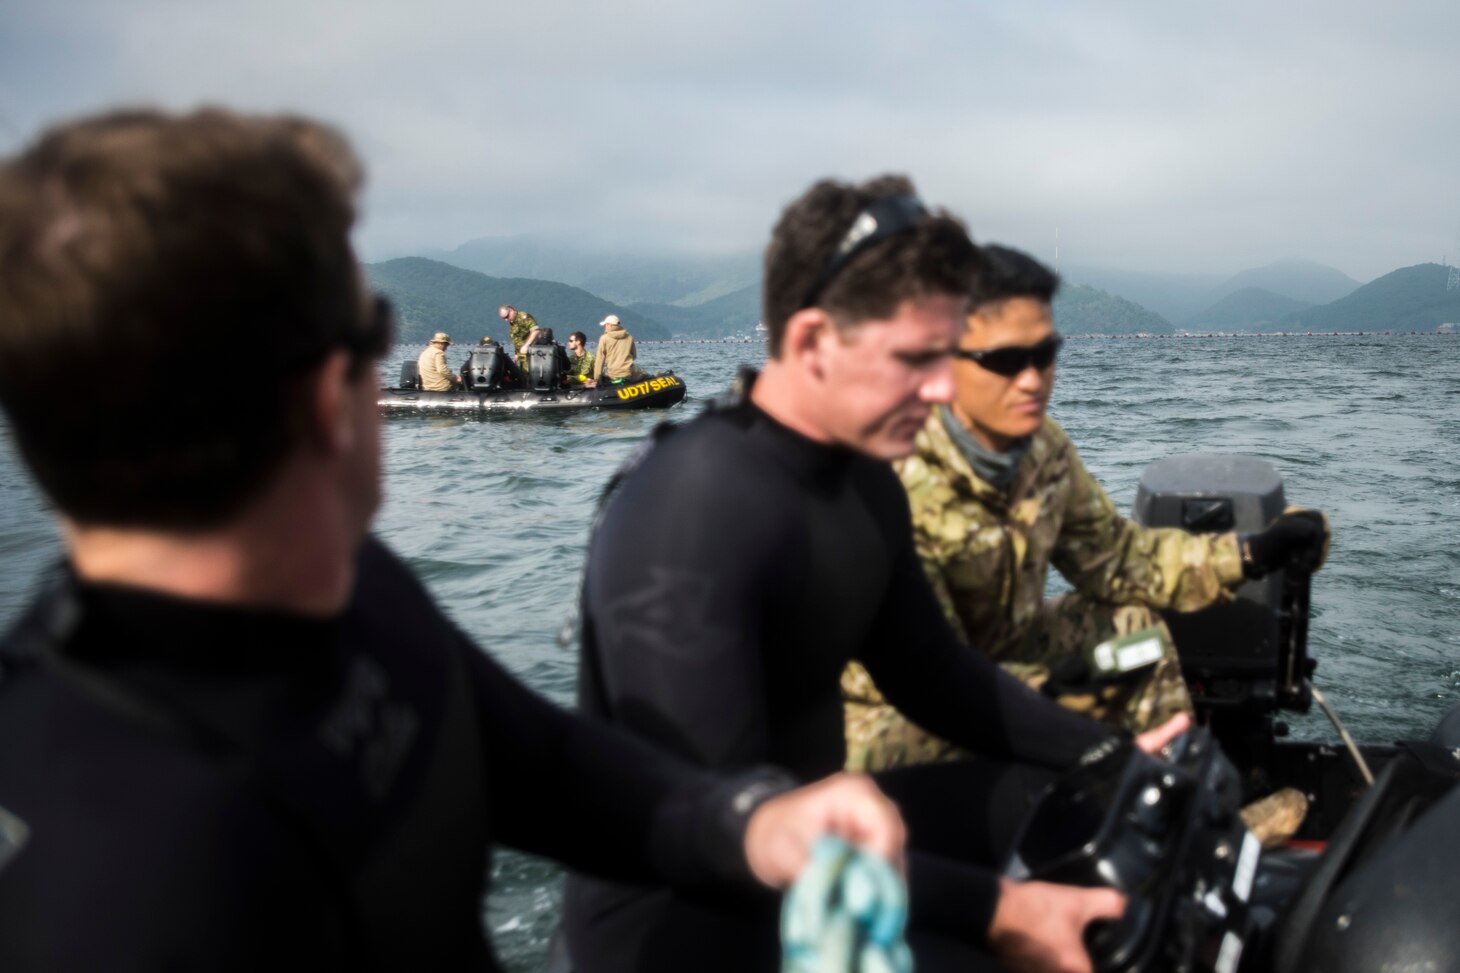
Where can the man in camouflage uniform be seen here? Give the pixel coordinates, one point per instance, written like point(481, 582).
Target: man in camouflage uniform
point(520, 326)
point(998, 493)
point(580, 359)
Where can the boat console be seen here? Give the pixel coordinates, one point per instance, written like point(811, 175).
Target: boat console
point(1369, 886)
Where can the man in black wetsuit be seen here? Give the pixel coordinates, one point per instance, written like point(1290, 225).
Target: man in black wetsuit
point(237, 732)
point(746, 557)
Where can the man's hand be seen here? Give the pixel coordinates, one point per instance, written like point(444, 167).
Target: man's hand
point(780, 832)
point(1297, 538)
point(1157, 738)
point(1039, 927)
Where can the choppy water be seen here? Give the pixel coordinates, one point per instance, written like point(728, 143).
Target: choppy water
point(493, 512)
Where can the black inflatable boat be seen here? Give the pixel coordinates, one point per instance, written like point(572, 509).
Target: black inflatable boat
point(492, 383)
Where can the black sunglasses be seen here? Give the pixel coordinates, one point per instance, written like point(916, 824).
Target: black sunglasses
point(880, 220)
point(373, 341)
point(1013, 359)
point(366, 340)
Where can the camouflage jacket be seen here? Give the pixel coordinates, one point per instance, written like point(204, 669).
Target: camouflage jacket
point(520, 327)
point(987, 552)
point(580, 367)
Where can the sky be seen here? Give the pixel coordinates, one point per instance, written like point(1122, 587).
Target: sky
point(1159, 136)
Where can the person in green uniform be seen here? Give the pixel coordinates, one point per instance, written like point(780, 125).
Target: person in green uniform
point(521, 326)
point(998, 494)
point(580, 359)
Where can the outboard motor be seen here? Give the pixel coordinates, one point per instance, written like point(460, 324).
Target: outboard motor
point(484, 366)
point(410, 374)
point(1247, 658)
point(546, 362)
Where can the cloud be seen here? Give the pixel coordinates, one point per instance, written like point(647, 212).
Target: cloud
point(1154, 135)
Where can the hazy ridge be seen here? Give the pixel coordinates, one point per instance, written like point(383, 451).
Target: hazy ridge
point(571, 286)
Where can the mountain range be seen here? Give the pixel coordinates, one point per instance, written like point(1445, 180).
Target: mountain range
point(571, 287)
point(431, 296)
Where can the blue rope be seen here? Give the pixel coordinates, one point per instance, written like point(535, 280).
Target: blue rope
point(845, 914)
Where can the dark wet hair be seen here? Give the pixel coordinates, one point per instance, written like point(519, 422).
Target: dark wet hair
point(166, 284)
point(934, 256)
point(582, 338)
point(1006, 273)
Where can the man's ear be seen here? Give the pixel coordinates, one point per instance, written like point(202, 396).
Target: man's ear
point(804, 343)
point(330, 402)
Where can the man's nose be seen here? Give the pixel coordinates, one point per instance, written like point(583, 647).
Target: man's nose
point(1030, 378)
point(937, 385)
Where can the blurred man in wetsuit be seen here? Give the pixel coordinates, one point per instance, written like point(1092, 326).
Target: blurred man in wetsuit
point(998, 494)
point(238, 733)
point(744, 558)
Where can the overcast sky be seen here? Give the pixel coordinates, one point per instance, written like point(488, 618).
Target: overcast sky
point(1154, 135)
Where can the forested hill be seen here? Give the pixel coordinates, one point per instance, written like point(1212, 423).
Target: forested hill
point(1079, 309)
point(733, 313)
point(1251, 308)
point(431, 296)
point(627, 276)
point(1409, 299)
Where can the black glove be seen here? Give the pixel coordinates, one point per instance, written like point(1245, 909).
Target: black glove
point(1296, 538)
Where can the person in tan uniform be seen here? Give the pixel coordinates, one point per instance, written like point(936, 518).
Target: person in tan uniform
point(998, 494)
point(436, 375)
point(615, 360)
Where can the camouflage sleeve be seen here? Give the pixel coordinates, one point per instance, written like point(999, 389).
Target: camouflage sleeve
point(1104, 555)
point(933, 568)
point(938, 527)
point(520, 328)
point(585, 368)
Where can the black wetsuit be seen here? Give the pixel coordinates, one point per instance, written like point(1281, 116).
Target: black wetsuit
point(734, 573)
point(186, 786)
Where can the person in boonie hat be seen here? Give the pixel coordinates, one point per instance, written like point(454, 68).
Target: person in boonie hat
point(436, 376)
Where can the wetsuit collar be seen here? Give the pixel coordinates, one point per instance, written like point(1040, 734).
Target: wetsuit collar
point(122, 624)
point(805, 458)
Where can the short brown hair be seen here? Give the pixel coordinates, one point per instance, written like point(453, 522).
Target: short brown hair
point(164, 282)
point(935, 256)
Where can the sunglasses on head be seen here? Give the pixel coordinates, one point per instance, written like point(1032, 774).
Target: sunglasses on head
point(1013, 359)
point(880, 220)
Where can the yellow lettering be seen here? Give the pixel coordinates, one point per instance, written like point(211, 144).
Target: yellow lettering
point(645, 388)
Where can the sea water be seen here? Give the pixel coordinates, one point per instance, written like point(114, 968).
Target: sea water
point(494, 513)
